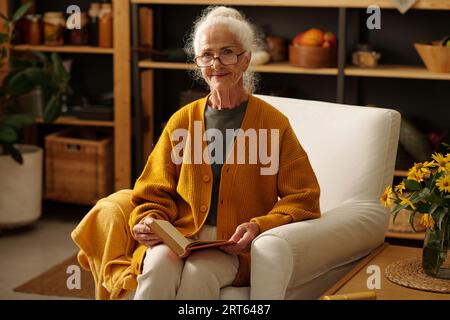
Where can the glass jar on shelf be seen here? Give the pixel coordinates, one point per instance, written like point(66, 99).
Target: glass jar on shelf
point(79, 36)
point(33, 34)
point(54, 25)
point(105, 26)
point(93, 15)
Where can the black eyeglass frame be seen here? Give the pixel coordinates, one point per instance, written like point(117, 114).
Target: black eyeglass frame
point(218, 57)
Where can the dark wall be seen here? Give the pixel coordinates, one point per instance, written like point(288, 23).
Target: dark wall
point(424, 102)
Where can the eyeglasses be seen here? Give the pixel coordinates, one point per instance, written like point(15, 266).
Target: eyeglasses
point(226, 58)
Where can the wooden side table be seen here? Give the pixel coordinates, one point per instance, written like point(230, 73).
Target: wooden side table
point(356, 280)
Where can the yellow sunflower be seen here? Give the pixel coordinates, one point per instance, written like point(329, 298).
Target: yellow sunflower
point(400, 187)
point(416, 175)
point(443, 183)
point(441, 161)
point(385, 198)
point(423, 167)
point(406, 201)
point(427, 221)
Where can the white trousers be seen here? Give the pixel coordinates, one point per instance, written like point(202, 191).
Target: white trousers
point(200, 276)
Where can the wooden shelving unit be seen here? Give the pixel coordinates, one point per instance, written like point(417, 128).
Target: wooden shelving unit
point(65, 49)
point(122, 89)
point(341, 72)
point(396, 71)
point(400, 173)
point(72, 121)
point(280, 67)
point(383, 4)
point(382, 71)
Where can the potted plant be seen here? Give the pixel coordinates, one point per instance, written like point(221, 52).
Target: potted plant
point(426, 189)
point(21, 165)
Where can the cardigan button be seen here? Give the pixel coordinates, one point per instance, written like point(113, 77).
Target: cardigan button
point(206, 178)
point(203, 208)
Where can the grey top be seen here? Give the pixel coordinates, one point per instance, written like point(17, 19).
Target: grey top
point(220, 119)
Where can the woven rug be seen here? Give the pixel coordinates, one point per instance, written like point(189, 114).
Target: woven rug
point(409, 273)
point(53, 282)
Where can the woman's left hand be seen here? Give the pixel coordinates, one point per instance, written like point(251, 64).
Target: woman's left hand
point(242, 238)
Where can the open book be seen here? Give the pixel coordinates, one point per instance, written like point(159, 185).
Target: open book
point(176, 241)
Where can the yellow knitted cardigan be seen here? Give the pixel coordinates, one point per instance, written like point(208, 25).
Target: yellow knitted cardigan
point(181, 193)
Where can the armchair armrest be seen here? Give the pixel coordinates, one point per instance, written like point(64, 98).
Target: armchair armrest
point(291, 255)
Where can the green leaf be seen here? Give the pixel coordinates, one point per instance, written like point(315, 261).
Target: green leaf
point(17, 121)
point(14, 152)
point(21, 63)
point(52, 109)
point(21, 11)
point(439, 217)
point(412, 185)
point(446, 145)
point(423, 207)
point(41, 56)
point(7, 134)
point(434, 198)
point(411, 220)
point(38, 76)
point(61, 74)
point(19, 84)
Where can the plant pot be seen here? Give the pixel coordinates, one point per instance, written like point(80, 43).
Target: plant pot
point(21, 188)
point(436, 254)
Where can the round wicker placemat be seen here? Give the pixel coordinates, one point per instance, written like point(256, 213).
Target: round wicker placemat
point(409, 273)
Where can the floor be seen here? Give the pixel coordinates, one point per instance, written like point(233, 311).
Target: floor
point(29, 251)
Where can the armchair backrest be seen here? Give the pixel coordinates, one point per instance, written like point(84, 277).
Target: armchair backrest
point(352, 149)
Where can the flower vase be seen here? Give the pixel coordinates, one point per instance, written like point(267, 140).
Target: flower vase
point(435, 254)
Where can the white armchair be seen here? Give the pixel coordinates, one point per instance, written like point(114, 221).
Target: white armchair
point(352, 150)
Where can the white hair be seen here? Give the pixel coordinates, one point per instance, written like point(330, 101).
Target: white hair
point(236, 22)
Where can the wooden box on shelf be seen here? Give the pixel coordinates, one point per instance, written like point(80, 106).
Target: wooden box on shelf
point(78, 165)
point(312, 57)
point(435, 56)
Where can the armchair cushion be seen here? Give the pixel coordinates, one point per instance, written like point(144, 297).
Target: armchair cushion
point(289, 256)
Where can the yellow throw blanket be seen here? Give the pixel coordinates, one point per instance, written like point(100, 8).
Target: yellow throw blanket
point(107, 249)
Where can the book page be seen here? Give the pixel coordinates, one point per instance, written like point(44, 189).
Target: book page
point(207, 242)
point(170, 235)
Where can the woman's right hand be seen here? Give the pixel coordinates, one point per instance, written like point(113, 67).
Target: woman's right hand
point(144, 234)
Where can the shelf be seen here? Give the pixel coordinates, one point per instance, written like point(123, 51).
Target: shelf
point(382, 71)
point(67, 49)
point(363, 4)
point(77, 122)
point(400, 173)
point(396, 71)
point(279, 67)
point(406, 235)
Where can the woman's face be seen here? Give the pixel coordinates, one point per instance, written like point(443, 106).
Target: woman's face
point(214, 41)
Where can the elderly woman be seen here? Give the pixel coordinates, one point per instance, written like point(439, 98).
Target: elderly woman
point(224, 198)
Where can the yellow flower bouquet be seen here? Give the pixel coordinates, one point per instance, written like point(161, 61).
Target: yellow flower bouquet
point(426, 189)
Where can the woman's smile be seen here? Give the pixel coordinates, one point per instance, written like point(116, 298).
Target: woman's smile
point(220, 74)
